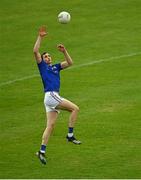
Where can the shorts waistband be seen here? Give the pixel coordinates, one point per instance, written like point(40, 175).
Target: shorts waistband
point(48, 92)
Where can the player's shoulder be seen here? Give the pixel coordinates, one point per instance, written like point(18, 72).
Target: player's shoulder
point(57, 65)
point(42, 64)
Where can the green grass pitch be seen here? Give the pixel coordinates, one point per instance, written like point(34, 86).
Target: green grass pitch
point(104, 40)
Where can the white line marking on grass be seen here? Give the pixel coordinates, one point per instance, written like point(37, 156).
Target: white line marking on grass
point(19, 79)
point(107, 59)
point(77, 66)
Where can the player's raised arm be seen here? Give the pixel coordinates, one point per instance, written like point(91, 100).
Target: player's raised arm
point(68, 60)
point(41, 35)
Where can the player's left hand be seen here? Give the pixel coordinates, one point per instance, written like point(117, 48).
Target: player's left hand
point(61, 47)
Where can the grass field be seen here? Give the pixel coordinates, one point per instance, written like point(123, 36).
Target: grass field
point(104, 40)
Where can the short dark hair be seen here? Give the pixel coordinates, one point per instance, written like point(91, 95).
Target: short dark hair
point(43, 54)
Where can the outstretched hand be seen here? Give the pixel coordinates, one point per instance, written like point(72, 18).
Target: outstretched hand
point(42, 31)
point(61, 47)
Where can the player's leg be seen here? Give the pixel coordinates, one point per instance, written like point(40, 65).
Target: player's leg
point(73, 109)
point(51, 119)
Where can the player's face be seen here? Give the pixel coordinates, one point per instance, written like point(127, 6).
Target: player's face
point(47, 58)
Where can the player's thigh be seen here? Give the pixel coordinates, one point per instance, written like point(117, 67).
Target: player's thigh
point(67, 105)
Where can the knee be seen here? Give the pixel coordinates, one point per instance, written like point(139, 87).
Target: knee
point(50, 126)
point(76, 108)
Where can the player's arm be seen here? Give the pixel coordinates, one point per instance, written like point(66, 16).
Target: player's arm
point(41, 35)
point(68, 60)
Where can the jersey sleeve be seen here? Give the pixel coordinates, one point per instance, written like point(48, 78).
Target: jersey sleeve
point(41, 63)
point(59, 66)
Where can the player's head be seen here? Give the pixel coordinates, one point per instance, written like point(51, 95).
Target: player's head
point(46, 57)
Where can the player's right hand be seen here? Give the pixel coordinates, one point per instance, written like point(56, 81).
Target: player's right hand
point(42, 31)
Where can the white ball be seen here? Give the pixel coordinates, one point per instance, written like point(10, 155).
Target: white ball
point(64, 17)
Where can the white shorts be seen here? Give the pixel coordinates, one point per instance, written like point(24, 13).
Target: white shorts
point(51, 100)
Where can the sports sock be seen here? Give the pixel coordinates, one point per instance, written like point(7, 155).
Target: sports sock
point(70, 133)
point(43, 148)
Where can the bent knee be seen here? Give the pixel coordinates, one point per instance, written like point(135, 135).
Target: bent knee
point(76, 108)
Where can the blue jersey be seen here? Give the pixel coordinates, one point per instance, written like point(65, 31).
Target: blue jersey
point(50, 75)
